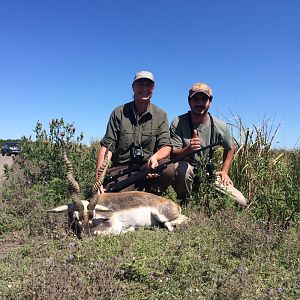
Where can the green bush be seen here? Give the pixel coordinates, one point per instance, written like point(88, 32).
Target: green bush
point(37, 179)
point(9, 222)
point(42, 162)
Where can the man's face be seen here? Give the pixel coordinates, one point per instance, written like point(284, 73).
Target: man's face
point(143, 89)
point(199, 104)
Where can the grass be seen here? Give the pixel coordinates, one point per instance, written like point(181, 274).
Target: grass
point(226, 256)
point(225, 252)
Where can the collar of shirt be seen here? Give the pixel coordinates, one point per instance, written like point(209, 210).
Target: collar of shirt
point(149, 110)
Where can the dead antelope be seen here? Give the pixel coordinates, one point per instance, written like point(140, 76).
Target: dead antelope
point(117, 212)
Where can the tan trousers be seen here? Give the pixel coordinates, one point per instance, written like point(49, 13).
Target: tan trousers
point(184, 178)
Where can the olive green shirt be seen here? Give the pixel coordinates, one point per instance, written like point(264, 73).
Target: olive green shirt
point(181, 134)
point(124, 130)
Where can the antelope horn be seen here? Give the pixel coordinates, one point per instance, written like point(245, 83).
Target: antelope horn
point(99, 182)
point(72, 181)
point(101, 173)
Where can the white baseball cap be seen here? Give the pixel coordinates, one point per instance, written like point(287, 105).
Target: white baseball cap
point(143, 74)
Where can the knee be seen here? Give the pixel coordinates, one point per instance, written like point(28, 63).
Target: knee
point(184, 170)
point(169, 172)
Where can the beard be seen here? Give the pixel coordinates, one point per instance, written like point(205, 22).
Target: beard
point(199, 110)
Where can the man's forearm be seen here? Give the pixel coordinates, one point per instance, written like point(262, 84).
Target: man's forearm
point(227, 160)
point(162, 153)
point(178, 152)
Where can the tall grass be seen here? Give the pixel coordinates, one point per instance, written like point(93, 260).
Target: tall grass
point(269, 177)
point(224, 253)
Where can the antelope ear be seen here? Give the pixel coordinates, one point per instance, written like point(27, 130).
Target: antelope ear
point(99, 207)
point(59, 209)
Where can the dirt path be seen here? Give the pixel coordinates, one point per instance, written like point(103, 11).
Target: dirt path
point(11, 241)
point(4, 160)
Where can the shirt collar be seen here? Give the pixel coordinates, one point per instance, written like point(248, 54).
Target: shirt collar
point(150, 108)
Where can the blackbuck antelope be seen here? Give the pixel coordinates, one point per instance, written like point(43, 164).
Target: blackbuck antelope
point(118, 212)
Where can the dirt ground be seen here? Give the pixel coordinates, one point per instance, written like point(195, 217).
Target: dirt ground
point(4, 160)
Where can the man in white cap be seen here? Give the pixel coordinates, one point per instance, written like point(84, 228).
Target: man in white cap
point(196, 129)
point(138, 134)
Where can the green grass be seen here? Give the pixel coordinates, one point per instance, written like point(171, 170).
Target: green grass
point(226, 256)
point(225, 252)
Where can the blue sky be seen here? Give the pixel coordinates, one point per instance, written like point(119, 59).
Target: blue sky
point(76, 59)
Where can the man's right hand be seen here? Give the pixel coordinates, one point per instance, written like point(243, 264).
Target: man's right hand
point(102, 190)
point(194, 142)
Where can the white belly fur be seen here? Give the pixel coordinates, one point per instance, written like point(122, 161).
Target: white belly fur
point(133, 218)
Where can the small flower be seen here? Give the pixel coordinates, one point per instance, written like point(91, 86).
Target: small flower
point(279, 290)
point(296, 286)
point(122, 272)
point(270, 291)
point(48, 262)
point(72, 245)
point(70, 258)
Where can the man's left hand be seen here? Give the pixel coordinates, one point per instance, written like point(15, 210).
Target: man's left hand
point(152, 164)
point(225, 179)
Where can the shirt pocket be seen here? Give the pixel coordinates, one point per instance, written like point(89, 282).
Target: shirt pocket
point(149, 138)
point(126, 139)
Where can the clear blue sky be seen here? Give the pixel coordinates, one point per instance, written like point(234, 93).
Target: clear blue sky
point(76, 59)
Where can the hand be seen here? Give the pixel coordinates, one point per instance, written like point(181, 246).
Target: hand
point(225, 179)
point(152, 164)
point(195, 141)
point(101, 190)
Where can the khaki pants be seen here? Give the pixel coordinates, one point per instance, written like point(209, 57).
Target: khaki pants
point(156, 185)
point(184, 178)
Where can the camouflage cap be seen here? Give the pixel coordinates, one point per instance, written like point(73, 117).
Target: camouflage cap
point(200, 87)
point(143, 74)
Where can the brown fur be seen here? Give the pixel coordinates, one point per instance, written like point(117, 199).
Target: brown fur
point(134, 199)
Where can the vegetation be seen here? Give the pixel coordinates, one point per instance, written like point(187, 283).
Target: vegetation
point(19, 141)
point(226, 252)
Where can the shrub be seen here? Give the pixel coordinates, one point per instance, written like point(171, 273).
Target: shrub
point(37, 179)
point(269, 178)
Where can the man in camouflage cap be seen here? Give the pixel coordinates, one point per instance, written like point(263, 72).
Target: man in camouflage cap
point(138, 134)
point(196, 129)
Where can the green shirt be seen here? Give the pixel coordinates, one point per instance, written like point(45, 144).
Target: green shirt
point(151, 131)
point(181, 134)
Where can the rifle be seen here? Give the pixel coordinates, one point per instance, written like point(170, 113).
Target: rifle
point(144, 171)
